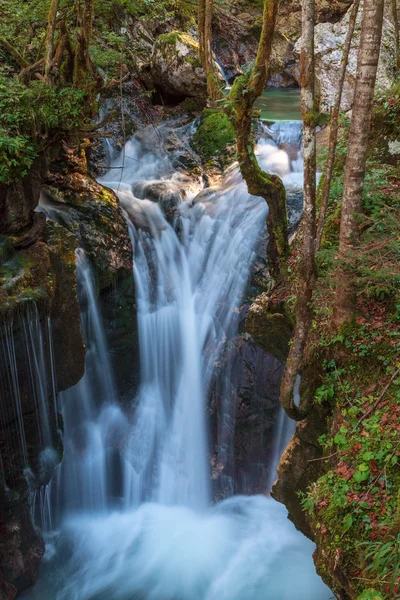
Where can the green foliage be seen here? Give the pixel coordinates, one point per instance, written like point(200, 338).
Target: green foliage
point(383, 558)
point(370, 595)
point(27, 115)
point(386, 116)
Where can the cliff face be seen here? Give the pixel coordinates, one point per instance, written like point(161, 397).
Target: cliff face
point(42, 352)
point(41, 346)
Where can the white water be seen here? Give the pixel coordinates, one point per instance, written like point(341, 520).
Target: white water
point(133, 489)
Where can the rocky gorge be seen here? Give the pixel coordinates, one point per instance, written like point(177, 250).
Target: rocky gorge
point(156, 174)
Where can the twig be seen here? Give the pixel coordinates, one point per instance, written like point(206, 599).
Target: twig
point(323, 457)
point(376, 404)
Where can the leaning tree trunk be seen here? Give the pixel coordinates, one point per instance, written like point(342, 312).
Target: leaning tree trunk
point(334, 125)
point(244, 93)
point(368, 58)
point(306, 270)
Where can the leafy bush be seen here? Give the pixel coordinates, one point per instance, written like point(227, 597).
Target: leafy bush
point(387, 110)
point(27, 115)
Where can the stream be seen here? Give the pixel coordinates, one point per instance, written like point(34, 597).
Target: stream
point(130, 514)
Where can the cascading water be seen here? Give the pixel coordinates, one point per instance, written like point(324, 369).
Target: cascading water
point(133, 489)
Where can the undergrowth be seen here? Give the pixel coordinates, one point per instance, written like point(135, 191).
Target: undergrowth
point(354, 507)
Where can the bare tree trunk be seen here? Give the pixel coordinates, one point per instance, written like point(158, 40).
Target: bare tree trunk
point(83, 66)
point(205, 14)
point(395, 11)
point(368, 58)
point(334, 125)
point(201, 24)
point(244, 93)
point(307, 267)
point(50, 33)
point(213, 86)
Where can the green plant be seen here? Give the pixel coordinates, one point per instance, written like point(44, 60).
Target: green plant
point(383, 558)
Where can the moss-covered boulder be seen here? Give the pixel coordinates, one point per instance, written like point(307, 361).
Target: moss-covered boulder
point(175, 67)
point(92, 213)
point(214, 140)
point(270, 325)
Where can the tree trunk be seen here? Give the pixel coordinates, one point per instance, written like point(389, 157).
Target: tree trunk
point(395, 11)
point(205, 14)
point(213, 87)
point(259, 183)
point(307, 269)
point(368, 58)
point(244, 93)
point(50, 33)
point(259, 73)
point(334, 125)
point(201, 25)
point(83, 66)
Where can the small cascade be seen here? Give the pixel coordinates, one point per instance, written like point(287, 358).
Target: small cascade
point(286, 132)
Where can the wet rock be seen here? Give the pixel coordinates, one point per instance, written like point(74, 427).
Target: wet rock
point(137, 112)
point(21, 550)
point(19, 199)
point(7, 590)
point(93, 214)
point(299, 467)
point(270, 325)
point(245, 396)
point(176, 67)
point(167, 194)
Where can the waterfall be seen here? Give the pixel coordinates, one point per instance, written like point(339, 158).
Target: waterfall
point(83, 480)
point(132, 496)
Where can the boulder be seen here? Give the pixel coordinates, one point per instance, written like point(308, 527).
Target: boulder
point(92, 213)
point(21, 549)
point(329, 42)
point(168, 195)
point(244, 404)
point(175, 66)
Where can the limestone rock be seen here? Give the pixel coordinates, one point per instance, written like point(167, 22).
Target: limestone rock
point(329, 42)
point(176, 67)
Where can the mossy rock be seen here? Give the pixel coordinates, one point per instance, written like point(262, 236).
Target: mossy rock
point(92, 213)
point(271, 326)
point(214, 140)
point(176, 68)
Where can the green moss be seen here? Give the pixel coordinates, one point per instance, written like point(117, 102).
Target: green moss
point(195, 62)
point(214, 135)
point(177, 36)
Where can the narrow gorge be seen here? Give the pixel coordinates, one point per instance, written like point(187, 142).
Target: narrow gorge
point(146, 450)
